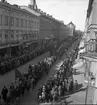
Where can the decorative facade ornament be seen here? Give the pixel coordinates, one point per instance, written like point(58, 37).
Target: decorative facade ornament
point(90, 42)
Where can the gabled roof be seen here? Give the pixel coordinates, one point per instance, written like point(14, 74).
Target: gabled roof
point(71, 23)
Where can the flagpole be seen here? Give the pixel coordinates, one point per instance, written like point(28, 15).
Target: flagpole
point(86, 97)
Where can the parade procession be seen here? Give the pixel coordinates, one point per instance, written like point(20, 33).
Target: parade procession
point(58, 85)
point(26, 81)
point(39, 52)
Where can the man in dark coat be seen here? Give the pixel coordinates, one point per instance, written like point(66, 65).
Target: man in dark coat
point(4, 93)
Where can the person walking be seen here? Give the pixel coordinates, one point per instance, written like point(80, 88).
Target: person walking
point(1, 100)
point(75, 86)
point(4, 93)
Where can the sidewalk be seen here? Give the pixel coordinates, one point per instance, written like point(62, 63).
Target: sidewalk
point(79, 97)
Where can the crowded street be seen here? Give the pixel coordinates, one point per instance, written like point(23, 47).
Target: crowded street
point(22, 84)
point(10, 77)
point(41, 57)
point(48, 52)
point(31, 98)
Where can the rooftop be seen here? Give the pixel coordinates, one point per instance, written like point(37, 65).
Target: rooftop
point(15, 7)
point(30, 10)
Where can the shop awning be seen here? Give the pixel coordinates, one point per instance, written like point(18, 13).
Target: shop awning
point(81, 44)
point(82, 51)
point(78, 60)
point(79, 65)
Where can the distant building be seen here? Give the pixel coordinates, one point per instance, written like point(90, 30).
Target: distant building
point(71, 25)
point(71, 28)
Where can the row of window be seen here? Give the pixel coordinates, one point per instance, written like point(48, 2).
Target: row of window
point(23, 34)
point(19, 22)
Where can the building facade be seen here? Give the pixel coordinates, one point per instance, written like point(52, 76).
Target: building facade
point(46, 25)
point(27, 26)
point(17, 26)
point(90, 55)
point(71, 28)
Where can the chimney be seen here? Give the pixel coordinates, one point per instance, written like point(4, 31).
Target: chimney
point(33, 4)
point(15, 5)
point(45, 13)
point(39, 10)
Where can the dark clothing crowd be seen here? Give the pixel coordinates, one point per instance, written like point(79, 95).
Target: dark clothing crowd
point(27, 81)
point(11, 63)
point(57, 86)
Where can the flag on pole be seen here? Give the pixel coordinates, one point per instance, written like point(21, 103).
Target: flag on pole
point(19, 74)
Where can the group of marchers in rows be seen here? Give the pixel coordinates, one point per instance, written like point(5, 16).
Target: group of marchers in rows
point(27, 80)
point(11, 63)
point(59, 85)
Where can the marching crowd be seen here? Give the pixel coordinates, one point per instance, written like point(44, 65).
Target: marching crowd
point(59, 85)
point(27, 80)
point(11, 63)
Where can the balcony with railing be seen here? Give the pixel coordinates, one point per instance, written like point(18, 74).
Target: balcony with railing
point(9, 43)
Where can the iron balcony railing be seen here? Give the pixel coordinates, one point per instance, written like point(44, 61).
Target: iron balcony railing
point(89, 55)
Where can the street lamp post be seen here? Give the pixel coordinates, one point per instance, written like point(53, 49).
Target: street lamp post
point(86, 97)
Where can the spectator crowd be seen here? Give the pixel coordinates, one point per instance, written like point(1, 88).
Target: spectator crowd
point(26, 81)
point(11, 63)
point(58, 85)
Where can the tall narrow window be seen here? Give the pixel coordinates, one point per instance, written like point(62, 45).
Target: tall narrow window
point(38, 25)
point(12, 35)
point(29, 24)
point(6, 35)
point(0, 35)
point(21, 22)
point(6, 20)
point(25, 23)
point(32, 24)
point(17, 21)
point(0, 20)
point(17, 34)
point(12, 21)
point(35, 25)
